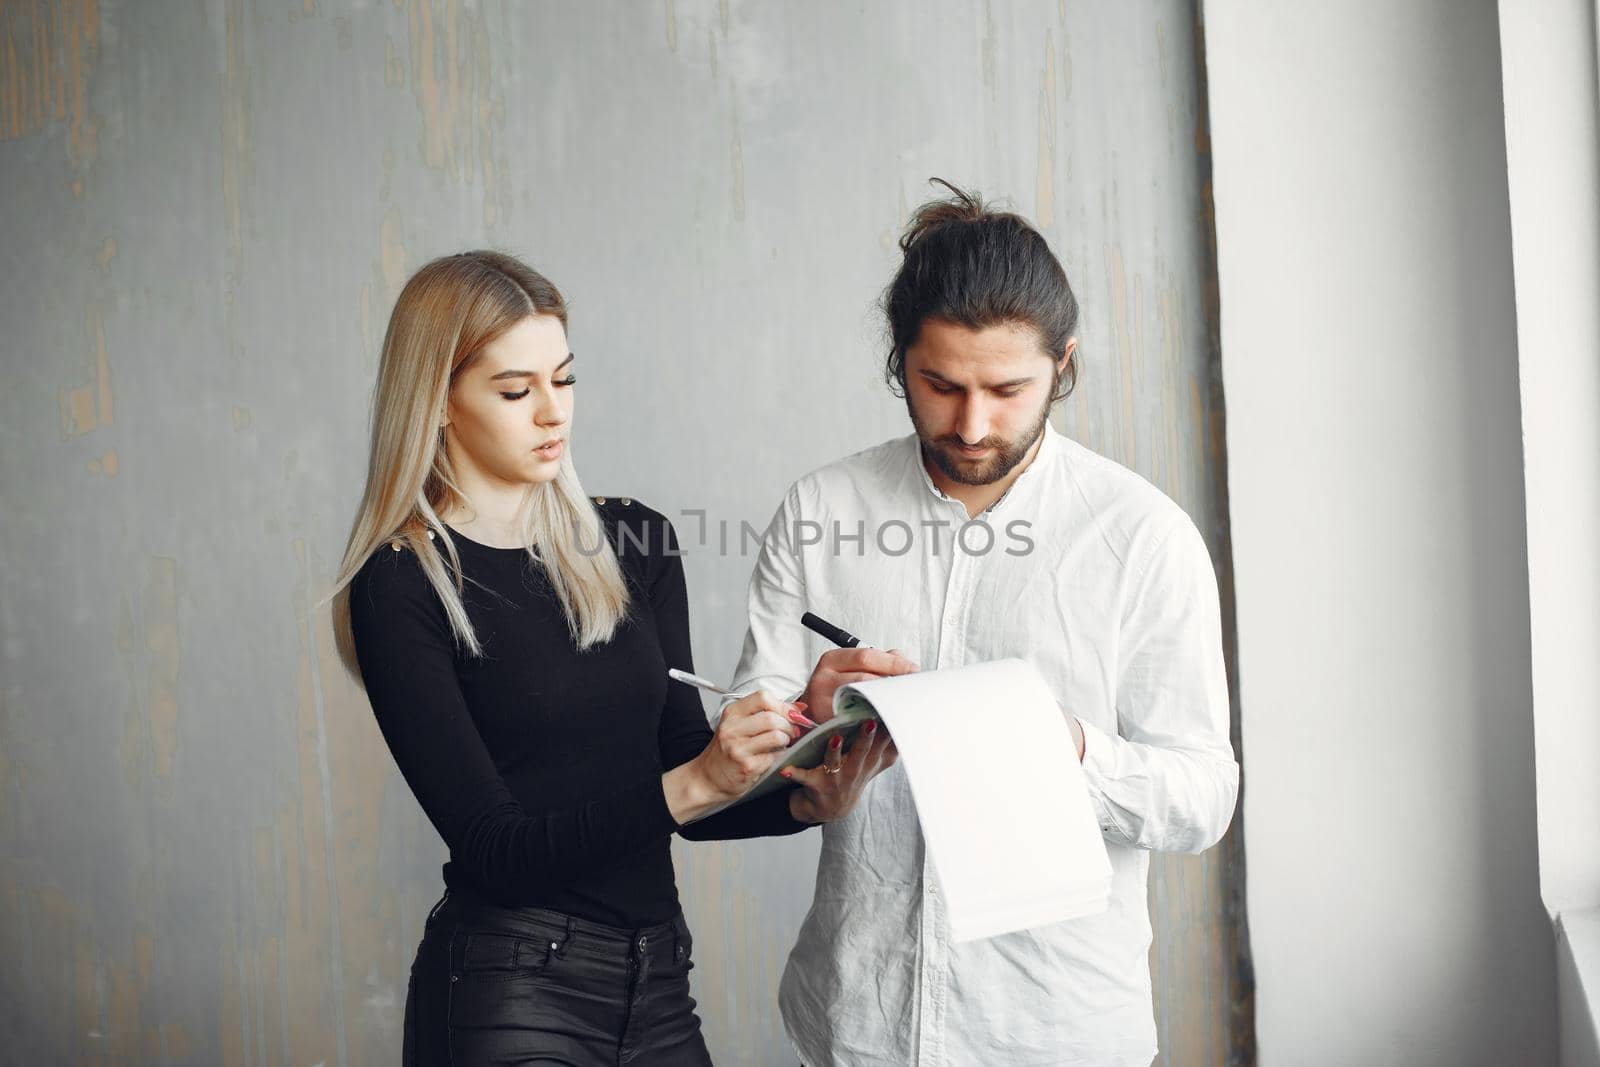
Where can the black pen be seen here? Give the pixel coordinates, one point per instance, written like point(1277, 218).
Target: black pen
point(818, 625)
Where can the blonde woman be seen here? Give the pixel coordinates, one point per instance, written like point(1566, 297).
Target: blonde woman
point(513, 638)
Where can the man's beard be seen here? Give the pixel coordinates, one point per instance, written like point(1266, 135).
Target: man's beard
point(943, 452)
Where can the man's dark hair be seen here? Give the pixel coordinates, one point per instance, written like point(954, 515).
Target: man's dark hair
point(978, 268)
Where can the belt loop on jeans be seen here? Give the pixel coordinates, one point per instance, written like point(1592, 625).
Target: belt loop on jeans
point(560, 947)
point(678, 934)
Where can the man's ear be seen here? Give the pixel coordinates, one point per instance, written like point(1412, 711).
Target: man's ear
point(1065, 367)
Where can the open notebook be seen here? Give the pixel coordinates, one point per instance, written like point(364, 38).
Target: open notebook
point(1000, 794)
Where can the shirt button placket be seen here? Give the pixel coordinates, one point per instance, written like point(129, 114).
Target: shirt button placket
point(937, 951)
point(953, 650)
point(932, 967)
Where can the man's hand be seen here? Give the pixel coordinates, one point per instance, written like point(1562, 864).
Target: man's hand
point(841, 666)
point(1076, 728)
point(830, 791)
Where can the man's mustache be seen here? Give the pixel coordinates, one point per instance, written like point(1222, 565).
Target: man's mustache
point(951, 439)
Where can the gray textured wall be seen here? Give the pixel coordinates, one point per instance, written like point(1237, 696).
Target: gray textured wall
point(206, 855)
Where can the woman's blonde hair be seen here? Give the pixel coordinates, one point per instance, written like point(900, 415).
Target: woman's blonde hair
point(446, 314)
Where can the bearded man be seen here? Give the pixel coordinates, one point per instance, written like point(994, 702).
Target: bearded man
point(983, 535)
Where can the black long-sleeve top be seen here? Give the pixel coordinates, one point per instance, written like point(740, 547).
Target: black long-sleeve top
point(538, 764)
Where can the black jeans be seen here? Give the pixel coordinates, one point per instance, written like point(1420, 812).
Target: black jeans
point(493, 986)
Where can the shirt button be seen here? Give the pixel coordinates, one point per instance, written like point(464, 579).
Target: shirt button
point(644, 943)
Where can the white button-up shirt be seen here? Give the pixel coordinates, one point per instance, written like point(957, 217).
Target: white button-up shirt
point(1103, 584)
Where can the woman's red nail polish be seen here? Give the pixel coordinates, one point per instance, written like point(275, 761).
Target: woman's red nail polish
point(786, 773)
point(800, 705)
point(871, 726)
point(836, 742)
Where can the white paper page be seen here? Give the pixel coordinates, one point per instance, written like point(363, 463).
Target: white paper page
point(1000, 793)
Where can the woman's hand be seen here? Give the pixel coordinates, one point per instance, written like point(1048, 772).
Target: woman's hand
point(830, 791)
point(753, 731)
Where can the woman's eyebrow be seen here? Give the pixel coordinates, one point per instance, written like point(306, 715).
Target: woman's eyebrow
point(528, 373)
